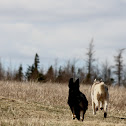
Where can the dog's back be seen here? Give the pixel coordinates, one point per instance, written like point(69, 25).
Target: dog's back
point(100, 92)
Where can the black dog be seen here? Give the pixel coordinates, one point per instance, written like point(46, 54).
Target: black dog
point(77, 100)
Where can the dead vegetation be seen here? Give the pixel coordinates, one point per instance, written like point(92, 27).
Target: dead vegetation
point(34, 104)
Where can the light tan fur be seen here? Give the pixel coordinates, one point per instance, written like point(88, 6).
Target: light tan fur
point(100, 96)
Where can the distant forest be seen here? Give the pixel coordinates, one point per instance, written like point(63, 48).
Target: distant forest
point(109, 74)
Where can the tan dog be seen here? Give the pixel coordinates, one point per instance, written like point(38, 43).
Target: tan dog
point(100, 96)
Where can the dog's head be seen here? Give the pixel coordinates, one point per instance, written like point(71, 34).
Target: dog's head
point(73, 86)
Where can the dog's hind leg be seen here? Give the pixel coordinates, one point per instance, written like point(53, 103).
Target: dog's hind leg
point(93, 107)
point(101, 104)
point(82, 112)
point(73, 113)
point(81, 115)
point(96, 105)
point(73, 116)
point(105, 109)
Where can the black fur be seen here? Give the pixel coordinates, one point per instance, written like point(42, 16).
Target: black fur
point(105, 115)
point(76, 99)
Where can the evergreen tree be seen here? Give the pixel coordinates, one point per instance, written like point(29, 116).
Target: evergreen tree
point(2, 72)
point(60, 75)
point(50, 74)
point(20, 73)
point(33, 73)
point(36, 62)
point(29, 72)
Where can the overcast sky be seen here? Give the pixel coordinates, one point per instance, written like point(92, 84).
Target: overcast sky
point(60, 29)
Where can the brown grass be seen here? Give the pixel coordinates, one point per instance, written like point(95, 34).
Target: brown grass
point(34, 104)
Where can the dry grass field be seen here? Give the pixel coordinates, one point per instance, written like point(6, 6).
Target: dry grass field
point(34, 104)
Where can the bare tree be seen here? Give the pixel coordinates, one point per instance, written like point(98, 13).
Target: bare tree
point(90, 60)
point(119, 65)
point(2, 71)
point(96, 70)
point(55, 68)
point(124, 77)
point(106, 72)
point(81, 74)
point(73, 68)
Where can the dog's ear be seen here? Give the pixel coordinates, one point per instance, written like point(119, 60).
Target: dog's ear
point(70, 82)
point(95, 81)
point(77, 83)
point(101, 80)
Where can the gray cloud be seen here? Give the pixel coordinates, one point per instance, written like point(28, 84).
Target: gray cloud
point(62, 29)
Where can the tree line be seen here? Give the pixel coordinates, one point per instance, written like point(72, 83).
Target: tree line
point(86, 74)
